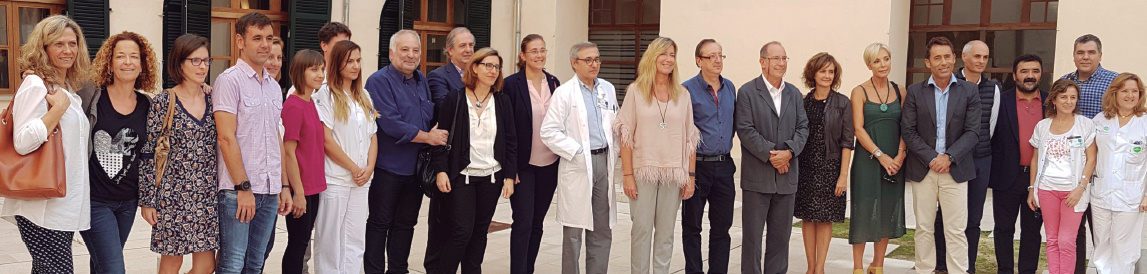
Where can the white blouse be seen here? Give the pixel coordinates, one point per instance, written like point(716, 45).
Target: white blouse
point(353, 135)
point(73, 211)
point(483, 130)
point(1119, 169)
point(1082, 135)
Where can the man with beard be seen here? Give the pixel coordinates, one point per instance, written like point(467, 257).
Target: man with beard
point(1020, 109)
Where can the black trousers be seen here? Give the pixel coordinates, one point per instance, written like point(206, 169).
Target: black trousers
point(459, 221)
point(1006, 205)
point(51, 250)
point(394, 204)
point(715, 187)
point(299, 236)
point(530, 202)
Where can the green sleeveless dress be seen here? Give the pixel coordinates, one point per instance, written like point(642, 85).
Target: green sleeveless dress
point(877, 204)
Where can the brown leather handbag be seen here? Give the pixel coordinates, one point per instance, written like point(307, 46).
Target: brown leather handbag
point(37, 175)
point(163, 143)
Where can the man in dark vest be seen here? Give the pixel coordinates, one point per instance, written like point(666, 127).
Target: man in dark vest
point(975, 57)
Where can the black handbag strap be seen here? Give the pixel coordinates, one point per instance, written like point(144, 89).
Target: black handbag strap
point(454, 124)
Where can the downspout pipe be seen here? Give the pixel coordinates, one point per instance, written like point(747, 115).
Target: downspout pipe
point(517, 28)
point(346, 12)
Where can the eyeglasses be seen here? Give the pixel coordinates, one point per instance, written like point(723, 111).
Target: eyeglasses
point(714, 57)
point(590, 61)
point(199, 61)
point(493, 66)
point(537, 52)
point(778, 58)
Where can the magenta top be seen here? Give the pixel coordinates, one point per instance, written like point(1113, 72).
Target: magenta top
point(301, 123)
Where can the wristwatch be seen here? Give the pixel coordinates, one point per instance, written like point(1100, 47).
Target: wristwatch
point(244, 186)
point(877, 153)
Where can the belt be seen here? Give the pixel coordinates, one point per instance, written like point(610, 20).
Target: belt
point(712, 158)
point(599, 151)
point(1025, 169)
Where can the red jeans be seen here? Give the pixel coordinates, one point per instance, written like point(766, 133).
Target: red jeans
point(1061, 223)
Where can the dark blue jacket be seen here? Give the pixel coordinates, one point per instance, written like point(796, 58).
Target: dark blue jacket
point(442, 80)
point(519, 93)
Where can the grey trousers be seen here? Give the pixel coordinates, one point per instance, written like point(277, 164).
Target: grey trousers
point(777, 211)
point(599, 240)
point(654, 216)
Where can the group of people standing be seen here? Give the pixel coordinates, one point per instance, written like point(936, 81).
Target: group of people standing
point(201, 162)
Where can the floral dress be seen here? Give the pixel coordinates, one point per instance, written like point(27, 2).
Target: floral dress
point(186, 200)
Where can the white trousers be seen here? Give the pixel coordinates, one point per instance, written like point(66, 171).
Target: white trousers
point(340, 230)
point(952, 197)
point(1118, 237)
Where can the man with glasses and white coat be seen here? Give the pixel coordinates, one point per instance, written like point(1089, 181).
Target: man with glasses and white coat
point(577, 127)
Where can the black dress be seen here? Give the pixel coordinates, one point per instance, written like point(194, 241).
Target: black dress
point(816, 200)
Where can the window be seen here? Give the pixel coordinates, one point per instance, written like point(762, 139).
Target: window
point(1009, 27)
point(622, 29)
point(433, 20)
point(223, 15)
point(17, 19)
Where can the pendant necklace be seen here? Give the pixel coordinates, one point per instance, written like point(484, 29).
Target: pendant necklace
point(480, 103)
point(663, 124)
point(883, 101)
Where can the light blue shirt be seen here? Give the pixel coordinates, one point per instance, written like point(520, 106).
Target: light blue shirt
point(597, 138)
point(941, 112)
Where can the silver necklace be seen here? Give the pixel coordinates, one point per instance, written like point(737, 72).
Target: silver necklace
point(663, 123)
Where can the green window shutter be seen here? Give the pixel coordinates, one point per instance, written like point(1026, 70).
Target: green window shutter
point(307, 17)
point(92, 16)
point(478, 21)
point(389, 23)
point(180, 17)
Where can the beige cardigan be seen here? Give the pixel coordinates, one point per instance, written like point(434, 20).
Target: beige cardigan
point(660, 156)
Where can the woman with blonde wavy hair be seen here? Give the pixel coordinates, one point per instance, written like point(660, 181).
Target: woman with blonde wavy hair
point(125, 71)
point(656, 117)
point(56, 51)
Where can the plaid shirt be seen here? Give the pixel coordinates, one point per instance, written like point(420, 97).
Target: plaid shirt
point(1091, 91)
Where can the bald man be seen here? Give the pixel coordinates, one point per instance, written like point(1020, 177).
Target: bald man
point(975, 56)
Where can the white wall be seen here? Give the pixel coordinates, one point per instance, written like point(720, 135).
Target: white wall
point(805, 28)
point(142, 17)
point(560, 23)
point(1121, 31)
point(363, 23)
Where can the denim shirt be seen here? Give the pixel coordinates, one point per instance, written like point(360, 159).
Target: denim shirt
point(713, 116)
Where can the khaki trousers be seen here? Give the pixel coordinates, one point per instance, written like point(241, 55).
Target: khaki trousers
point(952, 197)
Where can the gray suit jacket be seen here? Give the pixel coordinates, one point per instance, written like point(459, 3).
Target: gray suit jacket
point(762, 130)
point(918, 126)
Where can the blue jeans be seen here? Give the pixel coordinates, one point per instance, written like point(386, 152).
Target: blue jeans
point(242, 245)
point(111, 223)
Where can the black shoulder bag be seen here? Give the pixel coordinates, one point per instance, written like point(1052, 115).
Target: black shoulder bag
point(422, 165)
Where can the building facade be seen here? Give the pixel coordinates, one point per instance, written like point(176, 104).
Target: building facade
point(623, 27)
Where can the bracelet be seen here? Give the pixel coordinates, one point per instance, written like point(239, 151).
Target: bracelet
point(631, 174)
point(286, 186)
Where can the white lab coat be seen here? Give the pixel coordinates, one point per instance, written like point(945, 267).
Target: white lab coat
point(565, 131)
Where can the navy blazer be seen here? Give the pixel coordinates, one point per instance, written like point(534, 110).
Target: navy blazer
point(519, 92)
point(1005, 147)
point(442, 80)
point(918, 129)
